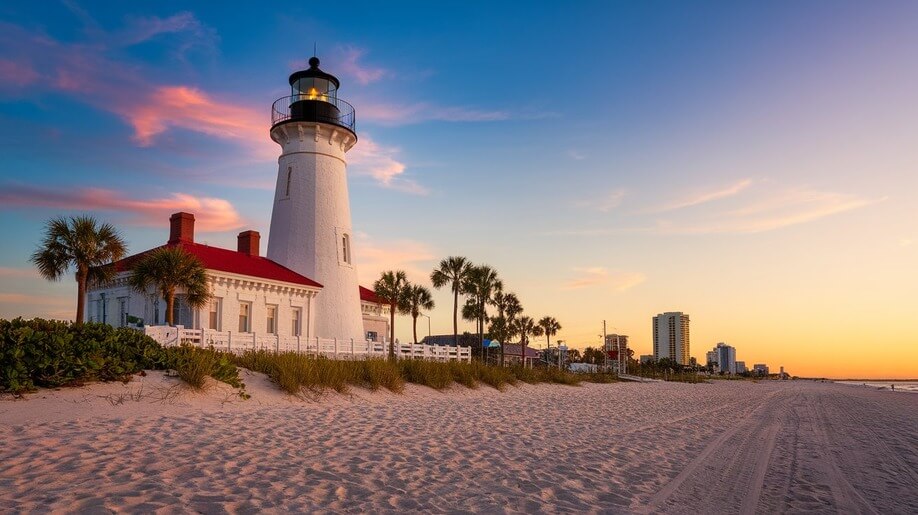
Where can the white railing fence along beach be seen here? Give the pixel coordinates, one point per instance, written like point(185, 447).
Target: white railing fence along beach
point(332, 348)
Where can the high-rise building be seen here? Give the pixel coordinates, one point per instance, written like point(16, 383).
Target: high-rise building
point(725, 356)
point(671, 337)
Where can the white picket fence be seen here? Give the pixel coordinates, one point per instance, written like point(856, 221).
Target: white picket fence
point(327, 347)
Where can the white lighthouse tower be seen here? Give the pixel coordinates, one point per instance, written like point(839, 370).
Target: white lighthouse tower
point(311, 222)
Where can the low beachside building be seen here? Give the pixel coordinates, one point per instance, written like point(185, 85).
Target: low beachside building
point(513, 355)
point(251, 293)
point(740, 367)
point(646, 358)
point(760, 369)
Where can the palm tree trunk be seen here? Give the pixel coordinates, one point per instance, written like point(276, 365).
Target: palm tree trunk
point(456, 316)
point(392, 331)
point(415, 328)
point(81, 295)
point(170, 303)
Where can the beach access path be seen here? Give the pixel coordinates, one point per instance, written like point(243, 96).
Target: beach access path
point(726, 447)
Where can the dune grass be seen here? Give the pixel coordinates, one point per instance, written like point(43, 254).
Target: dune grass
point(298, 373)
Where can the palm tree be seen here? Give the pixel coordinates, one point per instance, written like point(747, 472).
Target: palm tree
point(525, 326)
point(550, 327)
point(480, 283)
point(503, 328)
point(80, 243)
point(169, 269)
point(393, 287)
point(453, 271)
point(417, 298)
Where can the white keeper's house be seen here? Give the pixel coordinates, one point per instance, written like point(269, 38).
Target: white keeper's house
point(251, 293)
point(307, 285)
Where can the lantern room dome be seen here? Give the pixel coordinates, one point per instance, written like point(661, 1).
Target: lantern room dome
point(313, 98)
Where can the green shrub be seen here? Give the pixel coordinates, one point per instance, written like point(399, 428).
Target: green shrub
point(45, 353)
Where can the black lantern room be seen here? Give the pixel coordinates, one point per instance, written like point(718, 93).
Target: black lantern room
point(314, 98)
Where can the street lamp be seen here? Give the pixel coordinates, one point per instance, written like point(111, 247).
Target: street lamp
point(429, 339)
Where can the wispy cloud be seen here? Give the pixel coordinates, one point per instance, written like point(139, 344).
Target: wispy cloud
point(576, 155)
point(83, 71)
point(703, 197)
point(376, 256)
point(349, 63)
point(605, 203)
point(17, 74)
point(380, 162)
point(595, 276)
point(211, 214)
point(13, 272)
point(191, 109)
point(754, 210)
point(786, 209)
point(385, 113)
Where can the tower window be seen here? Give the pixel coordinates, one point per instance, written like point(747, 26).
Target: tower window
point(289, 176)
point(346, 248)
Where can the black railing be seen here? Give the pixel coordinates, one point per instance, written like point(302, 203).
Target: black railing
point(313, 108)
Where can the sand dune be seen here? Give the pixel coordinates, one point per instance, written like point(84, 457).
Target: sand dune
point(709, 448)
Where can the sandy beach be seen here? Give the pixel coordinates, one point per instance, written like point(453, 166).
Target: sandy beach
point(732, 446)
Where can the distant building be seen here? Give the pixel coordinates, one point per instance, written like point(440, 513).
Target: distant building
point(646, 358)
point(671, 337)
point(619, 344)
point(740, 367)
point(725, 356)
point(760, 369)
point(711, 358)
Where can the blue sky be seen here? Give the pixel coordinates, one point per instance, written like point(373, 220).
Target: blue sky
point(748, 164)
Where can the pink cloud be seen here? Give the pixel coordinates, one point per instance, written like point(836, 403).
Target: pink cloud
point(191, 109)
point(349, 65)
point(17, 73)
point(379, 162)
point(211, 214)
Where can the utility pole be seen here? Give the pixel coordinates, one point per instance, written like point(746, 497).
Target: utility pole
point(605, 353)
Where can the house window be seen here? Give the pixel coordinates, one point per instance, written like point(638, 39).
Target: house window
point(289, 177)
point(346, 248)
point(214, 314)
point(156, 312)
point(295, 328)
point(245, 310)
point(122, 311)
point(372, 336)
point(272, 320)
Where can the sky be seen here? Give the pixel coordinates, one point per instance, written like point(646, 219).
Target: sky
point(753, 166)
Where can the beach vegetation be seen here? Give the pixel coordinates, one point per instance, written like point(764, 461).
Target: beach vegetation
point(80, 244)
point(480, 284)
point(417, 299)
point(393, 287)
point(41, 353)
point(453, 272)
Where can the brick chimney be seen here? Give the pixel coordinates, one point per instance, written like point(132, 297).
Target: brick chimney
point(181, 228)
point(249, 242)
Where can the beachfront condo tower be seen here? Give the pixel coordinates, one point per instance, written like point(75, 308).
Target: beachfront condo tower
point(671, 337)
point(311, 230)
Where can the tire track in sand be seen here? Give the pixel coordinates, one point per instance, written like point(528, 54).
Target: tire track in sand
point(732, 463)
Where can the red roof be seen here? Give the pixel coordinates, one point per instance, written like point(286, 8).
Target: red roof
point(368, 295)
point(223, 260)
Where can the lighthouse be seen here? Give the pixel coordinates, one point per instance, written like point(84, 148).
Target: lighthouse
point(311, 230)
